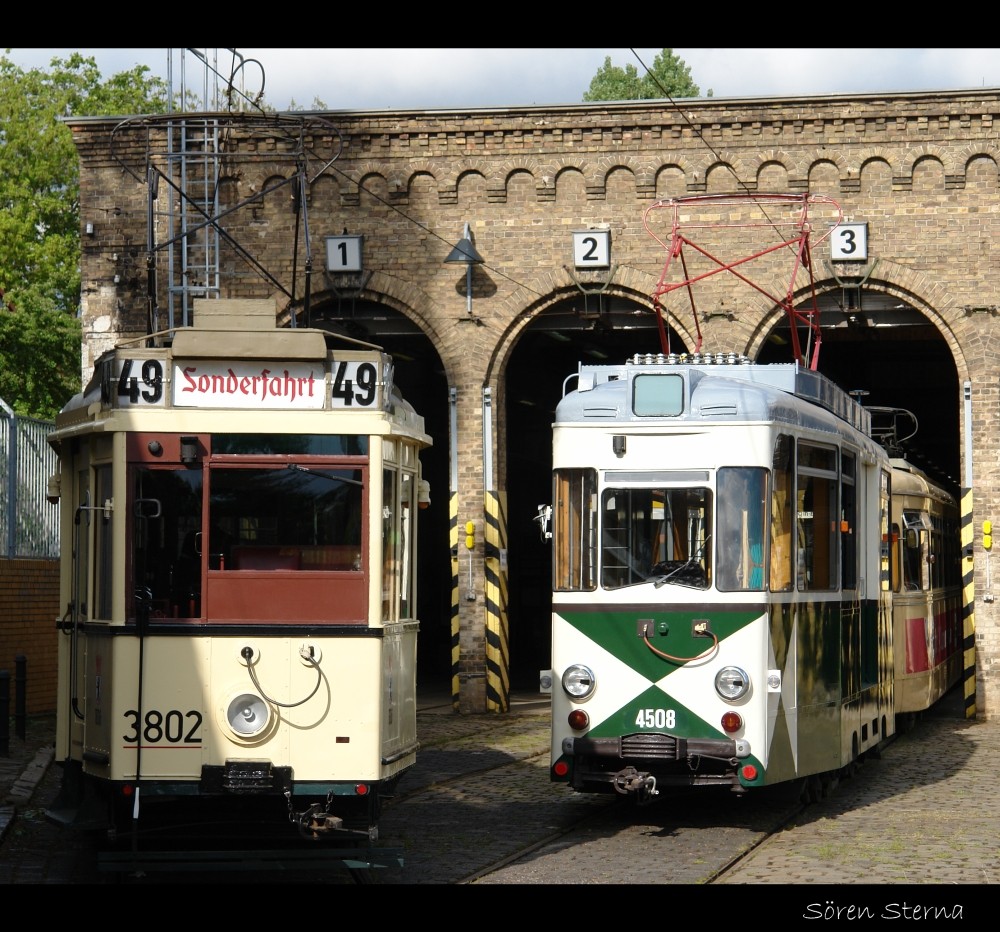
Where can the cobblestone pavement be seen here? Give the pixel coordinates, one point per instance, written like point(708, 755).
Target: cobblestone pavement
point(923, 814)
point(914, 827)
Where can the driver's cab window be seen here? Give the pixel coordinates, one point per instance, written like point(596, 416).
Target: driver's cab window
point(659, 534)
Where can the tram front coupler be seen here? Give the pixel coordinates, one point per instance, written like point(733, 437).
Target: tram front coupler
point(317, 823)
point(314, 823)
point(641, 786)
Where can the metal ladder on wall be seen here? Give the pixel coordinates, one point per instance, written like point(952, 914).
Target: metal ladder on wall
point(193, 167)
point(193, 262)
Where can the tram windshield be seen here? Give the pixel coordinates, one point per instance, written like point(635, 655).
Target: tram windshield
point(655, 534)
point(685, 535)
point(275, 517)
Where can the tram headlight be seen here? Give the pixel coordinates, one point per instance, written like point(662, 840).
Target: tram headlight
point(732, 683)
point(248, 715)
point(578, 681)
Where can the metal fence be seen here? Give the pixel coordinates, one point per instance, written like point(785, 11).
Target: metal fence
point(29, 525)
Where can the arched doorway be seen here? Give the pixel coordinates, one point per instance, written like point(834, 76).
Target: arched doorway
point(419, 374)
point(548, 351)
point(892, 356)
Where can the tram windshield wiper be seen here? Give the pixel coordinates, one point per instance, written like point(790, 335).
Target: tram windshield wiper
point(324, 475)
point(679, 572)
point(688, 572)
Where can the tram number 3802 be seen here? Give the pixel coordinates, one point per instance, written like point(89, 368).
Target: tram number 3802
point(171, 727)
point(656, 718)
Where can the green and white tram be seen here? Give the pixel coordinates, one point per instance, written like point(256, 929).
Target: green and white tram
point(721, 596)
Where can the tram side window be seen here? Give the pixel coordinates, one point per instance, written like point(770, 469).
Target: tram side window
point(936, 557)
point(103, 544)
point(741, 494)
point(781, 515)
point(915, 550)
point(407, 545)
point(848, 522)
point(816, 514)
point(398, 496)
point(888, 537)
point(81, 543)
point(574, 530)
point(166, 542)
point(896, 557)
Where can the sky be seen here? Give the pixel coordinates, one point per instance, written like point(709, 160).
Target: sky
point(430, 79)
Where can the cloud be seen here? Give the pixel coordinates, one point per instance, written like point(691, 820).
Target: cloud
point(458, 78)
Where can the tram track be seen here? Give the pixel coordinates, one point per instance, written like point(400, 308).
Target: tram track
point(479, 809)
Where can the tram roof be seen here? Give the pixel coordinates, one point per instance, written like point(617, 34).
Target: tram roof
point(790, 378)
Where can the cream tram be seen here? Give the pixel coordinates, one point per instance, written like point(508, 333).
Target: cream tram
point(239, 505)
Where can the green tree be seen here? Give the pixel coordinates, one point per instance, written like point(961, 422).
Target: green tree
point(40, 219)
point(668, 77)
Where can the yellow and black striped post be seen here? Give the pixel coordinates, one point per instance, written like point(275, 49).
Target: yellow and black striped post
point(497, 633)
point(968, 607)
point(456, 625)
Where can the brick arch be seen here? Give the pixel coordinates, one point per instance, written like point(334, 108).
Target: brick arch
point(548, 289)
point(611, 163)
point(719, 159)
point(875, 158)
point(929, 296)
point(522, 163)
point(324, 188)
point(816, 164)
point(683, 166)
point(401, 296)
point(355, 177)
point(457, 170)
point(766, 164)
point(977, 150)
point(870, 154)
point(249, 185)
point(564, 167)
point(911, 157)
point(761, 159)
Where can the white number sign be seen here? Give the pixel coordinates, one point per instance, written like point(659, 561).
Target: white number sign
point(849, 241)
point(592, 249)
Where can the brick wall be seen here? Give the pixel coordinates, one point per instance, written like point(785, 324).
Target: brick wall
point(29, 606)
point(920, 168)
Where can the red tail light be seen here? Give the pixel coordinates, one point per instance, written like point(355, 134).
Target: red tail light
point(578, 719)
point(731, 722)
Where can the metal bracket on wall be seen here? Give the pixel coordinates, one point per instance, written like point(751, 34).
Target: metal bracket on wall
point(586, 290)
point(851, 285)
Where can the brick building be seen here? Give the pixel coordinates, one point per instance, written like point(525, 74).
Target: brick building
point(912, 323)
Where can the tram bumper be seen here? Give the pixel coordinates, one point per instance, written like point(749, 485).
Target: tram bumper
point(636, 764)
point(246, 777)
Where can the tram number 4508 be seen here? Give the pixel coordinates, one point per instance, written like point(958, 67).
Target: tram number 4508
point(656, 718)
point(171, 727)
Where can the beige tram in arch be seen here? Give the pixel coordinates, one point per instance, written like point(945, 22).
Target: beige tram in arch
point(239, 507)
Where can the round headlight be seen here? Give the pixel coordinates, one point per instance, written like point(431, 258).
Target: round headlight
point(732, 683)
point(248, 715)
point(578, 681)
